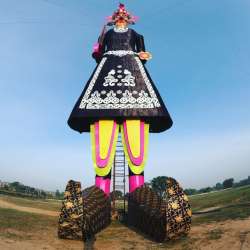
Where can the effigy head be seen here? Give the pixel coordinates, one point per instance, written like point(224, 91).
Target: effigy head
point(121, 17)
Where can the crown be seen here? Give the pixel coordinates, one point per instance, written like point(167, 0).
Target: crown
point(121, 14)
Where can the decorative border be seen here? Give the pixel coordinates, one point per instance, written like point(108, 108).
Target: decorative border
point(84, 100)
point(120, 106)
point(120, 53)
point(127, 100)
point(147, 82)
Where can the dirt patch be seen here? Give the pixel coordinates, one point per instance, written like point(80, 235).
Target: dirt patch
point(44, 241)
point(228, 235)
point(5, 204)
point(225, 235)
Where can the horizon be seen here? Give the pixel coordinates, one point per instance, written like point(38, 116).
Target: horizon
point(49, 190)
point(200, 66)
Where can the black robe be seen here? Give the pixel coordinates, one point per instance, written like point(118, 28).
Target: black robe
point(120, 87)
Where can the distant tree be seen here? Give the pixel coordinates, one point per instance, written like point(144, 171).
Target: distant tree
point(218, 186)
point(36, 193)
point(159, 185)
point(190, 191)
point(43, 194)
point(32, 191)
point(15, 185)
point(205, 190)
point(18, 187)
point(243, 182)
point(228, 183)
point(58, 194)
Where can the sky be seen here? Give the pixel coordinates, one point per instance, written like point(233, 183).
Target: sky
point(200, 65)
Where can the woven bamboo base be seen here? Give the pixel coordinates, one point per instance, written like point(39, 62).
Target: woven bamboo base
point(83, 213)
point(157, 218)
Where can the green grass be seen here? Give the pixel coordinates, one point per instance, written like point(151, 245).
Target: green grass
point(29, 222)
point(24, 221)
point(222, 215)
point(234, 196)
point(221, 198)
point(53, 205)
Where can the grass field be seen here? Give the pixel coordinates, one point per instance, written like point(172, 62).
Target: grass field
point(24, 222)
point(53, 205)
point(228, 228)
point(231, 203)
point(221, 198)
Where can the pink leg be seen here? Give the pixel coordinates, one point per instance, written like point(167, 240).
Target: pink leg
point(135, 181)
point(103, 184)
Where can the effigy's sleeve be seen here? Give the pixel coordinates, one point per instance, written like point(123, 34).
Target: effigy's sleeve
point(104, 44)
point(97, 55)
point(140, 45)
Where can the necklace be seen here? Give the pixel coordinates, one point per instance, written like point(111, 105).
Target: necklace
point(120, 29)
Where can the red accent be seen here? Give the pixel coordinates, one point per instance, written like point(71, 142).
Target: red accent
point(121, 6)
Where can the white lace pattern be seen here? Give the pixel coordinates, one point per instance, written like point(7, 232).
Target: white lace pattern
point(120, 53)
point(120, 80)
point(127, 100)
point(121, 99)
point(92, 83)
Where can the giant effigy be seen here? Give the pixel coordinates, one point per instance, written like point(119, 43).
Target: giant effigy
point(121, 97)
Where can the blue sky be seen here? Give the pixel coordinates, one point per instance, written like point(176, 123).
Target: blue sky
point(201, 58)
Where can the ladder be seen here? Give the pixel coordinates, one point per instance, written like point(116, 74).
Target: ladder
point(119, 173)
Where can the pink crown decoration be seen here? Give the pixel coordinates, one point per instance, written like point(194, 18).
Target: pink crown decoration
point(121, 13)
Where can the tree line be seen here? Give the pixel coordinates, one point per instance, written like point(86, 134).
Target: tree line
point(18, 189)
point(159, 185)
point(227, 183)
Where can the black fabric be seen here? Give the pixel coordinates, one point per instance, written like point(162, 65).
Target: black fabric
point(108, 176)
point(130, 173)
point(134, 98)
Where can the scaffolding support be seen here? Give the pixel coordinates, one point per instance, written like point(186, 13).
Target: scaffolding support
point(119, 174)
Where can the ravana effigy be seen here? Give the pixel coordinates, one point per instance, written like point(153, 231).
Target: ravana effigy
point(120, 96)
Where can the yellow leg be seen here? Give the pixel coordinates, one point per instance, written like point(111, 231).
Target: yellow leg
point(135, 141)
point(104, 135)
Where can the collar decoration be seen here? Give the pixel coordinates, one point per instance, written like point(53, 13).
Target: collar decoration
point(120, 29)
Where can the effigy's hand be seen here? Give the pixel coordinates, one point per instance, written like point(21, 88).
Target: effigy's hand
point(145, 55)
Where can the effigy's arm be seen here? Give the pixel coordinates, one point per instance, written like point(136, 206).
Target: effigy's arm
point(99, 48)
point(140, 47)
